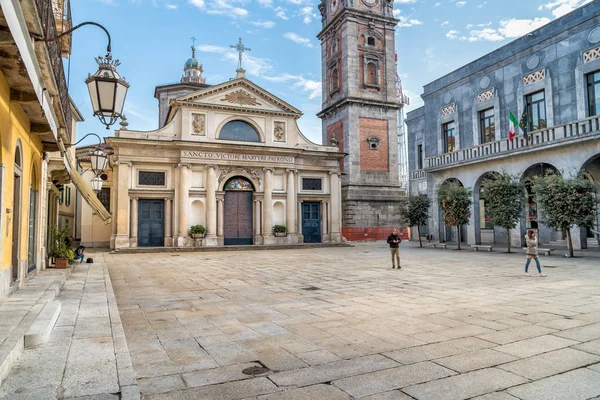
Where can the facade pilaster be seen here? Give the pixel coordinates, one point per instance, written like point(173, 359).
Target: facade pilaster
point(299, 222)
point(220, 216)
point(211, 206)
point(122, 206)
point(290, 206)
point(183, 238)
point(335, 190)
point(324, 218)
point(134, 222)
point(168, 222)
point(258, 239)
point(267, 229)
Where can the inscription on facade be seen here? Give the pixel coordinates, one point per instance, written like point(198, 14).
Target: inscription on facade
point(206, 155)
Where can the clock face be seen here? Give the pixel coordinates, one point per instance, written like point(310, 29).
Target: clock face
point(334, 5)
point(370, 3)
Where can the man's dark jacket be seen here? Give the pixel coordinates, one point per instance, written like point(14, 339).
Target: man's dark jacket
point(391, 239)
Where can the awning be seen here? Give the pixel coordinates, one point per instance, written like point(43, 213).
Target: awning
point(86, 192)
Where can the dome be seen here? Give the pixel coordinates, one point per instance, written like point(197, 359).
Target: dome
point(192, 63)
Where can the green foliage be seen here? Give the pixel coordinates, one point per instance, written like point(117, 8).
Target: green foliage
point(197, 230)
point(456, 202)
point(565, 201)
point(279, 228)
point(59, 248)
point(504, 197)
point(416, 210)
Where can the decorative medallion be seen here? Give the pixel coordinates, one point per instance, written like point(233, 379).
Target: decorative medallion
point(533, 77)
point(279, 131)
point(594, 36)
point(242, 98)
point(591, 54)
point(487, 95)
point(447, 98)
point(484, 82)
point(370, 3)
point(533, 61)
point(238, 184)
point(198, 124)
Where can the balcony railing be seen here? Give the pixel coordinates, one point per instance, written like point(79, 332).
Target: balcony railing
point(46, 12)
point(418, 174)
point(535, 139)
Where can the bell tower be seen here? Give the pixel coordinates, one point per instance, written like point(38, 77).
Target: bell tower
point(360, 109)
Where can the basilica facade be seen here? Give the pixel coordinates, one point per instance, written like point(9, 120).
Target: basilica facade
point(228, 157)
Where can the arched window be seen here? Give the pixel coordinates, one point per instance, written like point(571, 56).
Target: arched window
point(239, 130)
point(371, 41)
point(372, 74)
point(18, 157)
point(335, 80)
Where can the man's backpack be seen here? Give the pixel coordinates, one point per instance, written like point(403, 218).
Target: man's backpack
point(89, 260)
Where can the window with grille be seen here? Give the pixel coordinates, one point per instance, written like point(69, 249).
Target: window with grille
point(68, 196)
point(449, 130)
point(593, 86)
point(151, 178)
point(104, 197)
point(536, 111)
point(487, 126)
point(312, 184)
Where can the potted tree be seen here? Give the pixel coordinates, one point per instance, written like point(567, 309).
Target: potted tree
point(197, 231)
point(60, 249)
point(279, 230)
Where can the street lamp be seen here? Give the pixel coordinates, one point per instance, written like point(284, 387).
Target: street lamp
point(97, 184)
point(99, 159)
point(107, 88)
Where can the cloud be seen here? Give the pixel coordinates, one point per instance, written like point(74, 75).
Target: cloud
point(171, 6)
point(482, 4)
point(518, 27)
point(209, 48)
point(265, 3)
point(405, 1)
point(437, 4)
point(445, 23)
point(461, 3)
point(294, 37)
point(280, 13)
point(313, 87)
point(220, 7)
point(562, 7)
point(198, 3)
point(307, 14)
point(406, 22)
point(263, 24)
point(487, 34)
point(452, 34)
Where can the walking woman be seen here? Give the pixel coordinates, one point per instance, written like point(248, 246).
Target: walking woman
point(532, 252)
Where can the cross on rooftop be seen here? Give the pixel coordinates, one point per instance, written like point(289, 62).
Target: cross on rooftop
point(240, 49)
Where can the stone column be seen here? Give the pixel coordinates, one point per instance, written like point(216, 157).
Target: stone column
point(324, 236)
point(134, 222)
point(291, 202)
point(122, 206)
point(267, 228)
point(183, 238)
point(299, 221)
point(336, 206)
point(168, 219)
point(220, 217)
point(257, 219)
point(211, 206)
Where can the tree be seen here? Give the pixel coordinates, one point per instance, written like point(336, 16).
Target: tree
point(416, 211)
point(456, 202)
point(504, 196)
point(566, 202)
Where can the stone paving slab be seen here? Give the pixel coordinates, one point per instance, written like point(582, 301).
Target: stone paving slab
point(530, 347)
point(475, 360)
point(579, 384)
point(308, 393)
point(226, 391)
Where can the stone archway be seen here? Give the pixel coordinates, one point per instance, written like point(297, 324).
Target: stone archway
point(447, 233)
point(484, 229)
point(591, 171)
point(238, 211)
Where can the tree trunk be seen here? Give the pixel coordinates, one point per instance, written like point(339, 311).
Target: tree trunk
point(419, 233)
point(569, 242)
point(458, 235)
point(508, 239)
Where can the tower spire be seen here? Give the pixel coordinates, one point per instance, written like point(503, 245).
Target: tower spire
point(192, 68)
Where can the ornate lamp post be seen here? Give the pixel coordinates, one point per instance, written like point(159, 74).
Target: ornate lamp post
point(99, 161)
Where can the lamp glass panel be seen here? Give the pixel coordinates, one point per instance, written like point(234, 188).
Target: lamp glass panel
point(96, 184)
point(106, 92)
point(93, 94)
point(120, 98)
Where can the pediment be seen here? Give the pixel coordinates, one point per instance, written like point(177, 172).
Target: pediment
point(239, 94)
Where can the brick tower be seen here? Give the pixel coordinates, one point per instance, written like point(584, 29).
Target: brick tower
point(360, 110)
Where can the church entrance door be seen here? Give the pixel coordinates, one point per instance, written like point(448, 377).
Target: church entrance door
point(237, 212)
point(151, 222)
point(311, 222)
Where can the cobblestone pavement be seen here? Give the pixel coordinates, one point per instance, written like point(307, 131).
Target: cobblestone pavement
point(339, 323)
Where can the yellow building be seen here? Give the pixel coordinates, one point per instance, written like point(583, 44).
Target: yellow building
point(36, 119)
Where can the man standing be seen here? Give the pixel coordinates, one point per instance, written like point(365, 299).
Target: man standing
point(394, 242)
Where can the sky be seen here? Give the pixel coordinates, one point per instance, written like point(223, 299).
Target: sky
point(152, 40)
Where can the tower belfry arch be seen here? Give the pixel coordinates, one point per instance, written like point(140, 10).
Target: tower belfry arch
point(360, 109)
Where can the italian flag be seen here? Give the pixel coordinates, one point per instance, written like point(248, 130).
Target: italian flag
point(512, 126)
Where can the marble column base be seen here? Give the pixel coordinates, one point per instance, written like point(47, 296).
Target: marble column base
point(269, 240)
point(112, 242)
point(133, 242)
point(221, 240)
point(210, 241)
point(292, 238)
point(168, 241)
point(184, 241)
point(258, 239)
point(121, 241)
point(335, 237)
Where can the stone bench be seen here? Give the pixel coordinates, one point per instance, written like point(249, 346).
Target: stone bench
point(483, 246)
point(435, 244)
point(547, 252)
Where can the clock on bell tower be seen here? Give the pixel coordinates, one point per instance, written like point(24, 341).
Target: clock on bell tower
point(360, 109)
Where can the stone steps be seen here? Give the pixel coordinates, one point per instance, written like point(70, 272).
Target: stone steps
point(131, 250)
point(31, 315)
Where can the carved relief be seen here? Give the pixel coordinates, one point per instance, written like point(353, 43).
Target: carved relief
point(448, 110)
point(591, 55)
point(487, 95)
point(242, 98)
point(198, 124)
point(244, 171)
point(534, 77)
point(279, 131)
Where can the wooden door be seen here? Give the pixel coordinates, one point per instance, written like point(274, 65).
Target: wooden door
point(311, 222)
point(151, 223)
point(237, 218)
